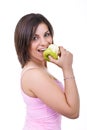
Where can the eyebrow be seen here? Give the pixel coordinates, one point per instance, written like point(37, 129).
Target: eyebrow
point(47, 31)
point(44, 32)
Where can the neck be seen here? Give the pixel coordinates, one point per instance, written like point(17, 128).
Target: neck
point(36, 64)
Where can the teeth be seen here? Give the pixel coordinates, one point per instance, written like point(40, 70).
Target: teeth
point(43, 49)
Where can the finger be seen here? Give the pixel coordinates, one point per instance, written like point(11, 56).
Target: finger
point(61, 48)
point(59, 52)
point(52, 59)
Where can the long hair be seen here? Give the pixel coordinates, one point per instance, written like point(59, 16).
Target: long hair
point(24, 31)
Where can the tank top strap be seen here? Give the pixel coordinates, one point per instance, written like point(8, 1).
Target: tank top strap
point(26, 69)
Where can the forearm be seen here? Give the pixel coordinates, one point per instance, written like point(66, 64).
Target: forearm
point(71, 92)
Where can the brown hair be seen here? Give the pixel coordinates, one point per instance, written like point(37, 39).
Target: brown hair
point(24, 31)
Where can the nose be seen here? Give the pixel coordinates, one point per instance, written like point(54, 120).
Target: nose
point(44, 42)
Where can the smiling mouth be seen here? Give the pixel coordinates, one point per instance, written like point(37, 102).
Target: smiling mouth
point(42, 50)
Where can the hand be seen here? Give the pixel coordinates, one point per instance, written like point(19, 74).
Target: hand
point(65, 60)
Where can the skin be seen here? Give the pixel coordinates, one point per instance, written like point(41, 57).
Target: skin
point(41, 40)
point(45, 87)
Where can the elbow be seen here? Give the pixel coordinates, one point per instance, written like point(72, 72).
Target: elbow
point(77, 115)
point(74, 115)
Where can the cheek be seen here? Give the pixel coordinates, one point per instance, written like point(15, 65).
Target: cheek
point(30, 50)
point(32, 47)
point(50, 40)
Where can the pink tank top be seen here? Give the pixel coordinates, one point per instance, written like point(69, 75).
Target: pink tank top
point(38, 115)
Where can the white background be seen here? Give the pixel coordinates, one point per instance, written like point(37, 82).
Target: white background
point(69, 19)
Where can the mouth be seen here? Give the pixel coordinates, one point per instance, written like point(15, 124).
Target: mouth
point(42, 50)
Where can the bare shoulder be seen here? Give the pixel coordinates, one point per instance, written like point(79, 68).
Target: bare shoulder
point(34, 74)
point(41, 85)
point(29, 79)
point(36, 77)
point(38, 83)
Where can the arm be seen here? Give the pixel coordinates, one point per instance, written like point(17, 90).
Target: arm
point(70, 91)
point(42, 86)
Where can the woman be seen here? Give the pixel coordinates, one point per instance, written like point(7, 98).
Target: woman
point(45, 99)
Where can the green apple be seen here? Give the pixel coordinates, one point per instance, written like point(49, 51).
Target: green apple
point(52, 50)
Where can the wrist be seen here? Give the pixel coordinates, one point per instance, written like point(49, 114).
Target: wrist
point(68, 72)
point(70, 77)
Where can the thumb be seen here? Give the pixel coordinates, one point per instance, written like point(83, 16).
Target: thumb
point(51, 59)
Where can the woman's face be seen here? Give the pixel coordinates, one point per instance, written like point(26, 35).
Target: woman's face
point(40, 41)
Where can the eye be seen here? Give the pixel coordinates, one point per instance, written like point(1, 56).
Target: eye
point(47, 34)
point(34, 38)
